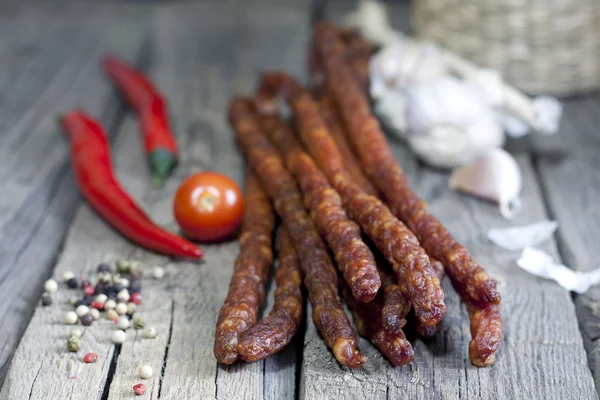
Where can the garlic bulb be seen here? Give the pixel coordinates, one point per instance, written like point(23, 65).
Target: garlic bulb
point(494, 176)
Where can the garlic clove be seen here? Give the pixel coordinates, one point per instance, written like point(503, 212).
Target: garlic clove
point(493, 176)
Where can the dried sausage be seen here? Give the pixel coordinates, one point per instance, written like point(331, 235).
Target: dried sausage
point(353, 256)
point(276, 330)
point(378, 162)
point(398, 244)
point(320, 276)
point(367, 317)
point(251, 271)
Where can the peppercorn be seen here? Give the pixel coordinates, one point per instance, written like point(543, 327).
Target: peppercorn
point(72, 283)
point(110, 304)
point(139, 389)
point(136, 298)
point(106, 278)
point(70, 318)
point(73, 343)
point(117, 287)
point(119, 337)
point(76, 331)
point(90, 358)
point(103, 267)
point(111, 315)
point(135, 286)
point(95, 313)
point(134, 267)
point(145, 371)
point(90, 290)
point(138, 322)
point(50, 286)
point(101, 298)
point(121, 309)
point(79, 303)
point(68, 275)
point(124, 283)
point(85, 283)
point(73, 300)
point(96, 305)
point(88, 299)
point(87, 319)
point(123, 296)
point(46, 299)
point(123, 323)
point(150, 333)
point(123, 266)
point(82, 310)
point(158, 272)
point(131, 308)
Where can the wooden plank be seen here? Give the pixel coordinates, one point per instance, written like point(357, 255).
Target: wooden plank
point(569, 171)
point(33, 228)
point(199, 73)
point(542, 355)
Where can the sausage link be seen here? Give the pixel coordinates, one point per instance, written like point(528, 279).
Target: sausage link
point(247, 288)
point(378, 162)
point(397, 243)
point(357, 53)
point(367, 317)
point(320, 276)
point(353, 256)
point(395, 305)
point(486, 330)
point(275, 331)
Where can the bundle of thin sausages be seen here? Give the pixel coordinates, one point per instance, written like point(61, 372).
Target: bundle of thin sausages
point(337, 189)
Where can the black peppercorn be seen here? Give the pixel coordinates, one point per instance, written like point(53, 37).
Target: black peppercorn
point(72, 283)
point(46, 299)
point(79, 303)
point(117, 287)
point(87, 300)
point(87, 319)
point(103, 267)
point(135, 286)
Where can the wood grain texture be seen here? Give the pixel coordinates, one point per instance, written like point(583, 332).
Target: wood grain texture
point(569, 170)
point(199, 65)
point(542, 355)
point(39, 195)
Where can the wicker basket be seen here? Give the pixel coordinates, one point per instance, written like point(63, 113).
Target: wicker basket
point(540, 46)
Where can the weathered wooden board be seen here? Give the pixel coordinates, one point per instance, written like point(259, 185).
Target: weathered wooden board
point(538, 359)
point(569, 169)
point(199, 64)
point(54, 66)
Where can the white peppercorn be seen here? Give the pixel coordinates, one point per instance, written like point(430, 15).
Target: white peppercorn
point(101, 298)
point(82, 310)
point(76, 331)
point(145, 371)
point(158, 272)
point(50, 286)
point(121, 308)
point(138, 322)
point(123, 295)
point(71, 318)
point(111, 315)
point(110, 304)
point(119, 337)
point(68, 275)
point(131, 308)
point(123, 323)
point(150, 333)
point(125, 282)
point(95, 313)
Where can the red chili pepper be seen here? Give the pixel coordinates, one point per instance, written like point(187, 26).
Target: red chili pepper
point(151, 108)
point(90, 155)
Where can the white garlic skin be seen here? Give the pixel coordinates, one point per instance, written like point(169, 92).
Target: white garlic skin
point(494, 176)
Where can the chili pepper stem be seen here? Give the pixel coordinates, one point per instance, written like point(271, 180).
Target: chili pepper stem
point(161, 163)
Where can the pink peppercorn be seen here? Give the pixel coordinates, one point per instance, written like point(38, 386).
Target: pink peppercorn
point(97, 305)
point(136, 298)
point(90, 358)
point(139, 389)
point(89, 290)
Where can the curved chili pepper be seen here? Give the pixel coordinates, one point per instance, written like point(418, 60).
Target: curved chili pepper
point(151, 108)
point(90, 156)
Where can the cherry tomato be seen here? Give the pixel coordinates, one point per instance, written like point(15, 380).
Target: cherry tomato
point(208, 206)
